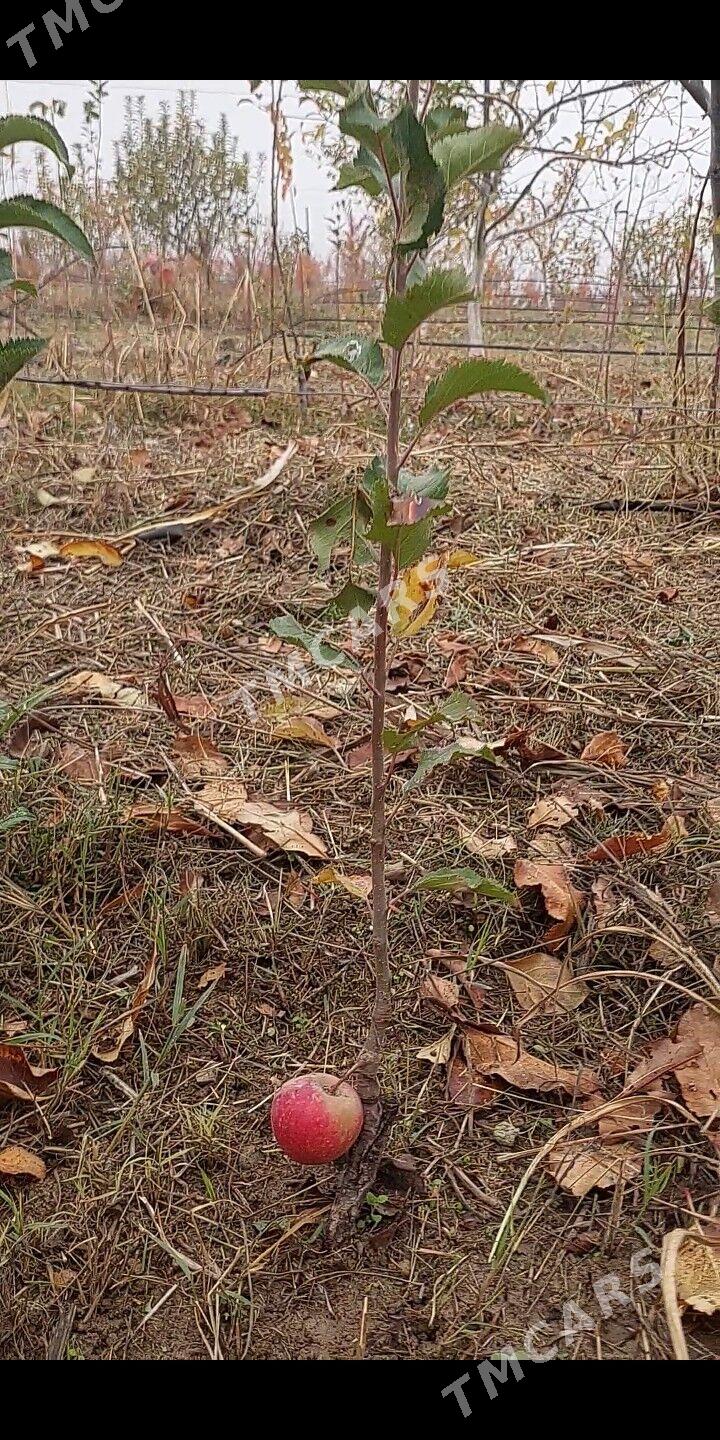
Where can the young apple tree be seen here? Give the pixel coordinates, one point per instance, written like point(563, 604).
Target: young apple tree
point(411, 155)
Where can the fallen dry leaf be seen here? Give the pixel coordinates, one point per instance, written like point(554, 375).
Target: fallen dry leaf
point(47, 500)
point(712, 903)
point(359, 886)
point(548, 845)
point(492, 1054)
point(78, 763)
point(61, 1279)
point(295, 891)
point(529, 752)
point(91, 550)
point(19, 1080)
point(359, 757)
point(213, 972)
point(605, 901)
point(439, 1052)
point(196, 707)
point(553, 812)
point(159, 820)
point(547, 984)
point(605, 749)
point(488, 847)
point(442, 992)
point(583, 1165)
point(699, 1079)
point(289, 830)
point(291, 705)
point(92, 682)
point(541, 649)
point(562, 900)
point(697, 1275)
point(464, 1090)
point(197, 758)
point(16, 1160)
point(624, 847)
point(712, 810)
point(668, 594)
point(109, 1051)
point(458, 559)
point(173, 526)
point(303, 727)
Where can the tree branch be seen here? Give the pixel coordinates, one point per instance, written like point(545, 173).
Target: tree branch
point(696, 88)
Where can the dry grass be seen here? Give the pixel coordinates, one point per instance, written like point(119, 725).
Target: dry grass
point(175, 1227)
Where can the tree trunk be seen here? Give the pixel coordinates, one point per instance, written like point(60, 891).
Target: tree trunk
point(715, 181)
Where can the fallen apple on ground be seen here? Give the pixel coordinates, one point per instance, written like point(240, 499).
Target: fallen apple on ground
point(316, 1118)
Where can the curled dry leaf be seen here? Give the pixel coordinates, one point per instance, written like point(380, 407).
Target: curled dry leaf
point(493, 1054)
point(195, 707)
point(579, 1166)
point(553, 812)
point(697, 1275)
point(529, 751)
point(546, 984)
point(541, 649)
point(303, 727)
point(213, 972)
point(159, 820)
point(712, 810)
point(699, 1079)
point(439, 1052)
point(109, 1050)
point(416, 596)
point(562, 900)
point(605, 749)
point(488, 847)
point(289, 830)
point(78, 763)
point(91, 550)
point(441, 991)
point(92, 682)
point(16, 1160)
point(464, 1090)
point(624, 847)
point(47, 499)
point(19, 1080)
point(197, 758)
point(604, 900)
point(61, 1279)
point(359, 886)
point(291, 705)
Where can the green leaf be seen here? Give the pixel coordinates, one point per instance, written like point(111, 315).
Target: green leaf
point(407, 542)
point(466, 746)
point(431, 485)
point(33, 214)
point(14, 355)
point(359, 119)
point(423, 185)
point(475, 377)
point(462, 879)
point(21, 816)
point(404, 313)
point(457, 707)
point(445, 120)
point(365, 171)
point(352, 600)
point(26, 286)
point(471, 151)
point(7, 274)
point(323, 654)
point(344, 522)
point(14, 129)
point(354, 352)
point(332, 87)
point(712, 310)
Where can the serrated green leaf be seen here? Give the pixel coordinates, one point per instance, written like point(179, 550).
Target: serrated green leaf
point(453, 880)
point(332, 87)
point(325, 655)
point(33, 214)
point(432, 484)
point(352, 600)
point(356, 353)
point(344, 522)
point(404, 313)
point(445, 120)
point(476, 377)
point(15, 129)
point(470, 152)
point(466, 746)
point(365, 171)
point(14, 355)
point(407, 542)
point(26, 286)
point(423, 185)
point(359, 119)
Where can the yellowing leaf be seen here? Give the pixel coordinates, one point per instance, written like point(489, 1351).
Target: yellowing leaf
point(416, 596)
point(457, 559)
point(303, 727)
point(91, 550)
point(583, 1165)
point(16, 1160)
point(359, 886)
point(93, 682)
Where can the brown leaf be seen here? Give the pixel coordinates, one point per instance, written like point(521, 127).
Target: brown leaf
point(139, 458)
point(291, 705)
point(562, 900)
point(91, 550)
point(492, 1054)
point(541, 649)
point(360, 757)
point(19, 1080)
point(463, 1090)
point(442, 992)
point(296, 891)
point(158, 820)
point(16, 1160)
point(646, 1089)
point(535, 753)
point(624, 847)
point(92, 682)
point(303, 727)
point(543, 983)
point(78, 763)
point(289, 830)
point(605, 749)
point(196, 707)
point(213, 972)
point(359, 886)
point(712, 810)
point(439, 1052)
point(697, 1276)
point(172, 526)
point(109, 1051)
point(457, 670)
point(553, 812)
point(61, 1279)
point(668, 594)
point(605, 901)
point(198, 758)
point(699, 1079)
point(548, 845)
point(583, 1165)
point(488, 847)
point(712, 903)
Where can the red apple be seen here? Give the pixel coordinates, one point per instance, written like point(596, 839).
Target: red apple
point(316, 1118)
